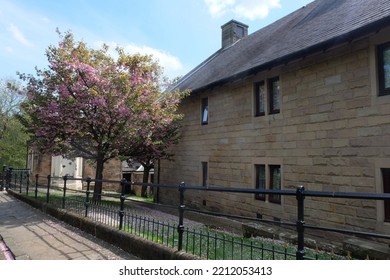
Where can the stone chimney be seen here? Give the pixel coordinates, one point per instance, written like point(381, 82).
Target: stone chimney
point(232, 32)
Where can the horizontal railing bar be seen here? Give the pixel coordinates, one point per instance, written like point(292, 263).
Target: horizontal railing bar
point(360, 195)
point(240, 190)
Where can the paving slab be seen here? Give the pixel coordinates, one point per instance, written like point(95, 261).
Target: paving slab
point(28, 234)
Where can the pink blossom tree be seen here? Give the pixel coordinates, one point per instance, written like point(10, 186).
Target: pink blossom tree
point(90, 104)
point(159, 131)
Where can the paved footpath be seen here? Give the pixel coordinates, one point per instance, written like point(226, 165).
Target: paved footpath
point(28, 234)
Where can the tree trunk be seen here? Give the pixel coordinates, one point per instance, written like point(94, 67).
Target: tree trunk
point(145, 179)
point(97, 191)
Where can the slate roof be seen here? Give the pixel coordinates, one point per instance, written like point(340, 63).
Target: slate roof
point(315, 27)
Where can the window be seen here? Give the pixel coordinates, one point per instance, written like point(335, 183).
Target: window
point(260, 99)
point(260, 180)
point(268, 180)
point(386, 189)
point(383, 53)
point(205, 111)
point(204, 173)
point(267, 93)
point(275, 182)
point(274, 95)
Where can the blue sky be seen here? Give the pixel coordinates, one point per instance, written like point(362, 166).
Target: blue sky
point(179, 33)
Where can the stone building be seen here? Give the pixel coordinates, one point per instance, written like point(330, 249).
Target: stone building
point(58, 166)
point(303, 101)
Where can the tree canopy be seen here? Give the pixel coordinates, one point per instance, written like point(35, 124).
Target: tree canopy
point(89, 103)
point(13, 137)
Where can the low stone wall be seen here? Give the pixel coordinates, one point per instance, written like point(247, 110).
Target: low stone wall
point(355, 247)
point(133, 244)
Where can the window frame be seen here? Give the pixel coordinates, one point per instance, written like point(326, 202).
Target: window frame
point(268, 173)
point(383, 91)
point(271, 95)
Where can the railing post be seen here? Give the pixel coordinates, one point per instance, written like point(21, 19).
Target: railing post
point(64, 191)
point(180, 227)
point(122, 203)
point(9, 178)
point(300, 254)
point(15, 179)
point(21, 181)
point(87, 193)
point(27, 181)
point(36, 185)
point(48, 188)
point(4, 176)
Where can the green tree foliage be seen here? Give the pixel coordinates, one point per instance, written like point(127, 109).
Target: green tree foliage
point(13, 136)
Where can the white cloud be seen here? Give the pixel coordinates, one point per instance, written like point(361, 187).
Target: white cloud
point(18, 35)
point(249, 9)
point(171, 64)
point(166, 60)
point(218, 8)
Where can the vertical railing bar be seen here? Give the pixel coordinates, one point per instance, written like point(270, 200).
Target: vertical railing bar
point(262, 249)
point(208, 245)
point(168, 229)
point(180, 227)
point(139, 226)
point(27, 182)
point(153, 223)
point(36, 185)
point(251, 249)
point(187, 241)
point(162, 233)
point(232, 256)
point(215, 245)
point(65, 178)
point(300, 196)
point(193, 242)
point(48, 188)
point(241, 247)
point(149, 230)
point(223, 246)
point(4, 178)
point(123, 184)
point(87, 193)
point(273, 249)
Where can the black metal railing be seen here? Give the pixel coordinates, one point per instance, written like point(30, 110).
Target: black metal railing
point(117, 210)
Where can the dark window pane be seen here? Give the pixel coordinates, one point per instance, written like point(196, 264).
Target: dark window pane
point(205, 111)
point(274, 94)
point(275, 182)
point(260, 98)
point(386, 68)
point(260, 180)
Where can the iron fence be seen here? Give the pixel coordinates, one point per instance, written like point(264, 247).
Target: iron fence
point(117, 210)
